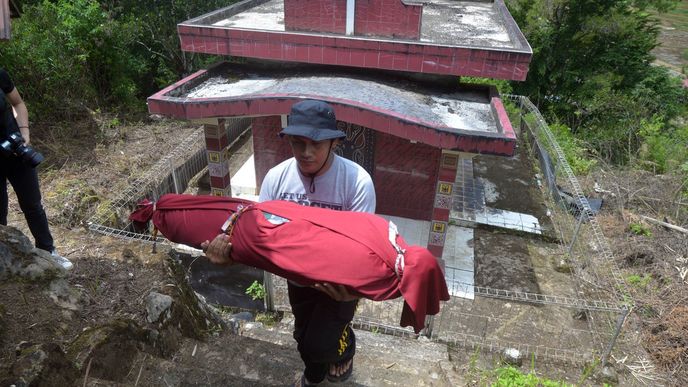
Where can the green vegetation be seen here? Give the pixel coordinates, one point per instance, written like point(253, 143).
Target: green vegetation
point(640, 229)
point(269, 318)
point(72, 57)
point(592, 77)
point(256, 291)
point(638, 281)
point(513, 377)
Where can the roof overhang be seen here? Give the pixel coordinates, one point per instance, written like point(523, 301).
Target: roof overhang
point(438, 112)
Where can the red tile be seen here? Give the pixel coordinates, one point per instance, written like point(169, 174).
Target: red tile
point(357, 43)
point(436, 250)
point(388, 46)
point(222, 47)
point(371, 58)
point(430, 63)
point(235, 34)
point(401, 62)
point(328, 41)
point(414, 48)
point(381, 123)
point(220, 182)
point(358, 58)
point(315, 54)
point(329, 55)
point(261, 50)
point(386, 60)
point(446, 174)
point(440, 214)
point(344, 56)
point(301, 53)
point(415, 63)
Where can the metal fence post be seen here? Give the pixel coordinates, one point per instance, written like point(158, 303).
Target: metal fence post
point(619, 325)
point(575, 233)
point(269, 292)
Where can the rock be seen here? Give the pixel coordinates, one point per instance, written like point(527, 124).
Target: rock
point(512, 356)
point(64, 295)
point(608, 375)
point(41, 365)
point(562, 265)
point(189, 314)
point(243, 316)
point(156, 305)
point(18, 258)
point(235, 321)
point(110, 349)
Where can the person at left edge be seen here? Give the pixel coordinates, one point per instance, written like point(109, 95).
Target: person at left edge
point(23, 177)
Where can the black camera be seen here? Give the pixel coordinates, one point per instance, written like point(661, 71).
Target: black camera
point(14, 145)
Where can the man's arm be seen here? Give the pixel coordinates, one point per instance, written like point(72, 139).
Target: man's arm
point(22, 113)
point(363, 197)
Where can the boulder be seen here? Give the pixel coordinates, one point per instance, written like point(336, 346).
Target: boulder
point(41, 365)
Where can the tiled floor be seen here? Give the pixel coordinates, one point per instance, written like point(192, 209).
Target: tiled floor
point(469, 205)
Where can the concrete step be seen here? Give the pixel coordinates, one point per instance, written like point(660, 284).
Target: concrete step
point(381, 360)
point(226, 360)
point(266, 356)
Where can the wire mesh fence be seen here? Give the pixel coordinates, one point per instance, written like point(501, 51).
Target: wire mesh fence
point(172, 174)
point(574, 324)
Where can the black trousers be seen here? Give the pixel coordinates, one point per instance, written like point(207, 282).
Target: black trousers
point(322, 330)
point(24, 180)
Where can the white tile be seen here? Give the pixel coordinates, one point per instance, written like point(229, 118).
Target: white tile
point(414, 232)
point(244, 180)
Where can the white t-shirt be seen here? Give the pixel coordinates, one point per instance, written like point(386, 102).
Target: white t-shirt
point(345, 186)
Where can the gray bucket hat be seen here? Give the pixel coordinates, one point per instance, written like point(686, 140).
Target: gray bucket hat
point(314, 120)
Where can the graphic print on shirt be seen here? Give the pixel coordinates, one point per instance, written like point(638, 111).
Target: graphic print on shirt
point(303, 200)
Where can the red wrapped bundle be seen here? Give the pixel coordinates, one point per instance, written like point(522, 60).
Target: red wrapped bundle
point(311, 245)
point(187, 219)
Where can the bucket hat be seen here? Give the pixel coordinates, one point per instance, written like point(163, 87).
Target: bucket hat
point(314, 120)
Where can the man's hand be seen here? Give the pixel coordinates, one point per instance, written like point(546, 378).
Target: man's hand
point(336, 292)
point(219, 250)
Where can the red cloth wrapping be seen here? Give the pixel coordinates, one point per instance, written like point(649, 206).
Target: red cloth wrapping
point(188, 219)
point(316, 245)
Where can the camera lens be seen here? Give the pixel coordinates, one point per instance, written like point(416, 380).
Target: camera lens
point(29, 156)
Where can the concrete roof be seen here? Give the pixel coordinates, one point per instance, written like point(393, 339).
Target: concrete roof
point(444, 22)
point(463, 38)
point(439, 112)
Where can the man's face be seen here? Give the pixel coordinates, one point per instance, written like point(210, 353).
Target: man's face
point(310, 155)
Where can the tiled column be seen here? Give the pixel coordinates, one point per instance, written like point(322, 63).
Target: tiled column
point(449, 162)
point(217, 148)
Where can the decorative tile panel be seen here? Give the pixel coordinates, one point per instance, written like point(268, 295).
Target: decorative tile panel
point(437, 239)
point(443, 201)
point(358, 146)
point(444, 188)
point(218, 169)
